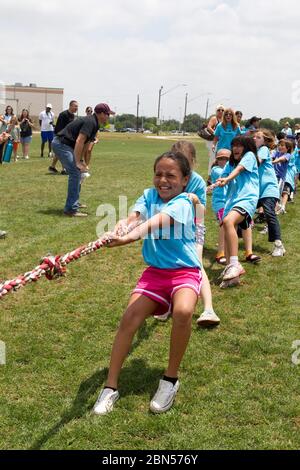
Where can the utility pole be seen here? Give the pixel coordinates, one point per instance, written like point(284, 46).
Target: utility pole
point(158, 111)
point(184, 115)
point(137, 112)
point(206, 112)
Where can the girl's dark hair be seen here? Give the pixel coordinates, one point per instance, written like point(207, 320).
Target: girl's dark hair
point(88, 108)
point(249, 146)
point(177, 157)
point(9, 106)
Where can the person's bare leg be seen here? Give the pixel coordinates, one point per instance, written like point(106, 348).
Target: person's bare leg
point(184, 303)
point(231, 237)
point(139, 308)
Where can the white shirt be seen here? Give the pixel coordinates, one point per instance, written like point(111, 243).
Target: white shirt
point(46, 118)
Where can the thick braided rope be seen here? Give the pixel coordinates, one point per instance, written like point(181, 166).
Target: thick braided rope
point(55, 266)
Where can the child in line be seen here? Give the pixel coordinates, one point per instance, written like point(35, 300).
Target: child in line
point(241, 175)
point(14, 131)
point(172, 278)
point(219, 198)
point(289, 184)
point(218, 203)
point(268, 188)
point(196, 185)
point(280, 161)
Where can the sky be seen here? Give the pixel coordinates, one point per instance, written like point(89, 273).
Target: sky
point(238, 53)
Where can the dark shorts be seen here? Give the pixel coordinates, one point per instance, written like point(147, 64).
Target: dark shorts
point(47, 136)
point(247, 222)
point(287, 189)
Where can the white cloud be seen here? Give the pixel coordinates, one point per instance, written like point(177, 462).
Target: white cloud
point(245, 53)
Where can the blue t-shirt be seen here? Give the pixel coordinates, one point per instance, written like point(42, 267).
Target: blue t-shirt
point(243, 191)
point(281, 168)
point(268, 185)
point(226, 135)
point(218, 194)
point(196, 185)
point(291, 171)
point(171, 247)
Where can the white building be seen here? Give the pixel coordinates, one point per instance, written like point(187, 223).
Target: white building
point(31, 97)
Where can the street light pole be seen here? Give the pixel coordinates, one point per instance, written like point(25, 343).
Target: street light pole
point(185, 108)
point(158, 111)
point(137, 112)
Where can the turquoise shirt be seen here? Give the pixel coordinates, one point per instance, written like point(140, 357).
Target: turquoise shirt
point(196, 185)
point(291, 171)
point(218, 194)
point(226, 135)
point(243, 191)
point(171, 247)
point(268, 185)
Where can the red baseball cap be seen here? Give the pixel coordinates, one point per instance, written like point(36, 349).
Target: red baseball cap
point(103, 108)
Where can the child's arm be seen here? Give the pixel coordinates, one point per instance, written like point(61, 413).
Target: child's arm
point(124, 225)
point(157, 221)
point(223, 181)
point(280, 159)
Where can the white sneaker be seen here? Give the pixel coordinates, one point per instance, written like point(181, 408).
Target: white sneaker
point(26, 157)
point(105, 402)
point(265, 230)
point(164, 397)
point(232, 271)
point(163, 317)
point(279, 249)
point(208, 318)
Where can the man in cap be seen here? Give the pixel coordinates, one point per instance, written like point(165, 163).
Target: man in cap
point(68, 146)
point(46, 119)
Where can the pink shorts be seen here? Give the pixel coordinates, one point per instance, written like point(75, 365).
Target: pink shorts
point(220, 215)
point(161, 284)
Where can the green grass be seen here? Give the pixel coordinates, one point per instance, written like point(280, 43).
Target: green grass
point(239, 388)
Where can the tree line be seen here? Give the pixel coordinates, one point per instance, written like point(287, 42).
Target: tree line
point(192, 123)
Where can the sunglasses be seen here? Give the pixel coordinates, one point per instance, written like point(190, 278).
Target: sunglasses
point(228, 114)
point(218, 110)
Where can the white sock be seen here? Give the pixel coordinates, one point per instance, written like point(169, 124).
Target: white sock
point(234, 260)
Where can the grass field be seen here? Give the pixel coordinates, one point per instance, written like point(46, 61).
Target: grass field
point(239, 388)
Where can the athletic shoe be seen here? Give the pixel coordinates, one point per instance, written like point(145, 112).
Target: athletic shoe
point(221, 260)
point(232, 271)
point(75, 214)
point(253, 258)
point(2, 234)
point(82, 206)
point(53, 170)
point(164, 397)
point(264, 231)
point(208, 318)
point(26, 157)
point(279, 249)
point(105, 402)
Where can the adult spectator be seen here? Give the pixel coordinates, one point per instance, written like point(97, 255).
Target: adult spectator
point(4, 123)
point(64, 118)
point(252, 125)
point(3, 138)
point(211, 127)
point(26, 126)
point(226, 131)
point(297, 130)
point(287, 131)
point(88, 150)
point(239, 117)
point(69, 145)
point(46, 120)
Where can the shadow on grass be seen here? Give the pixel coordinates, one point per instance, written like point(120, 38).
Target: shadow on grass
point(136, 378)
point(52, 211)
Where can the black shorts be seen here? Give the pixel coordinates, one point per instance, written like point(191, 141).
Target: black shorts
point(287, 189)
point(246, 223)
